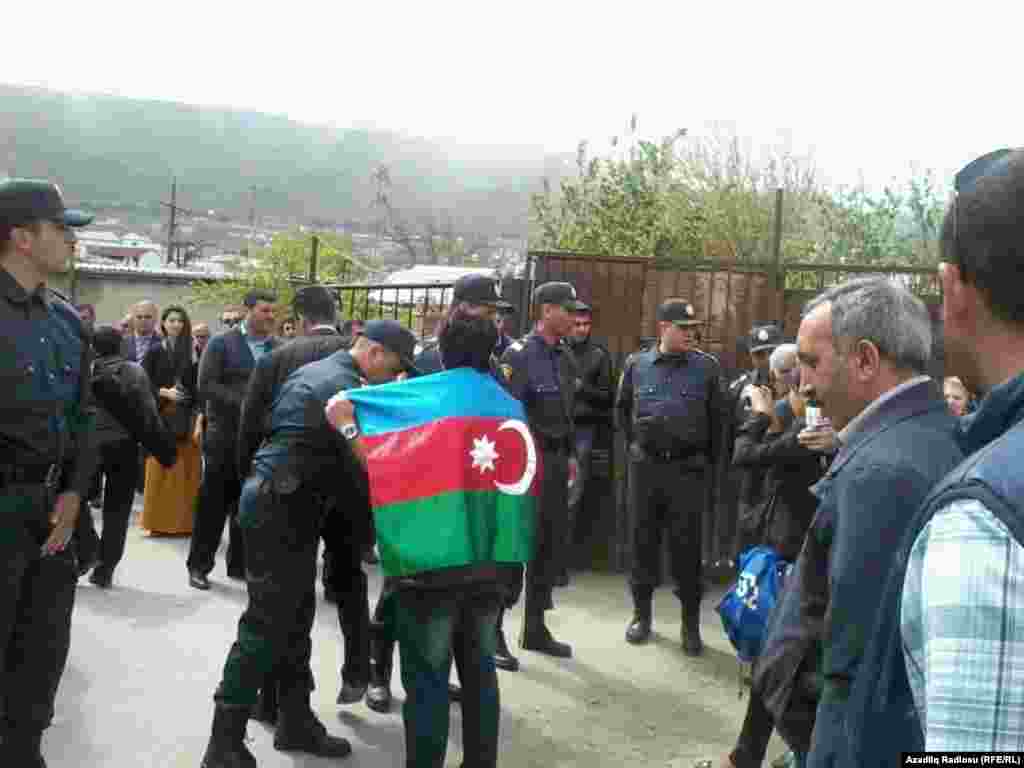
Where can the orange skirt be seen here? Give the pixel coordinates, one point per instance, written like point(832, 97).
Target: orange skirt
point(170, 497)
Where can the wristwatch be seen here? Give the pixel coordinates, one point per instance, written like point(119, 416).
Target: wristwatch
point(350, 431)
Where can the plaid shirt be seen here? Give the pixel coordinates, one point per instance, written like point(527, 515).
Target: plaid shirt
point(963, 631)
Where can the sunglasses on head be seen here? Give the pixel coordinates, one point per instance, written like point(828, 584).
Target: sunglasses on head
point(964, 181)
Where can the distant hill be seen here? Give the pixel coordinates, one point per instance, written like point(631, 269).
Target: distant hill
point(115, 151)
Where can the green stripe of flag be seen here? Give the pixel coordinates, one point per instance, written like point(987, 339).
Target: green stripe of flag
point(455, 529)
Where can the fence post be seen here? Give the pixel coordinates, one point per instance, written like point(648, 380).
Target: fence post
point(312, 259)
point(777, 272)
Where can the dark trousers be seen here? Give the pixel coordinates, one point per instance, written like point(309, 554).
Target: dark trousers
point(37, 596)
point(546, 570)
point(218, 503)
point(274, 631)
point(667, 496)
point(754, 735)
point(585, 434)
point(343, 573)
point(117, 461)
point(433, 628)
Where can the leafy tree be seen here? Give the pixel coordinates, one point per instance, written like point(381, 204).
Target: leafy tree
point(273, 269)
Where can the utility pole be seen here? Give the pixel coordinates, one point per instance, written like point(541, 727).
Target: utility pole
point(172, 246)
point(313, 258)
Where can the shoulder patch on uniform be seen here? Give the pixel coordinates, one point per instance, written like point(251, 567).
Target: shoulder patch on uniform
point(506, 371)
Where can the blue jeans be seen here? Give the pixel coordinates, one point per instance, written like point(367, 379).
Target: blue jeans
point(432, 626)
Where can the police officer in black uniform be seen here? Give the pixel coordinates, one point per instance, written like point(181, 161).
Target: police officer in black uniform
point(749, 481)
point(669, 408)
point(347, 536)
point(506, 316)
point(595, 394)
point(46, 459)
point(540, 371)
point(280, 514)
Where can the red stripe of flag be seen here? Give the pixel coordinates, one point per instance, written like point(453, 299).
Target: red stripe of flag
point(437, 458)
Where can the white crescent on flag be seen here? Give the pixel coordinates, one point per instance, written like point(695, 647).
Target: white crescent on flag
point(521, 486)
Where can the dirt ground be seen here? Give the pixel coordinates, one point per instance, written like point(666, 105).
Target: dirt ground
point(147, 654)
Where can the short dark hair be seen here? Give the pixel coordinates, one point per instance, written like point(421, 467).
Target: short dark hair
point(467, 341)
point(983, 232)
point(254, 297)
point(106, 340)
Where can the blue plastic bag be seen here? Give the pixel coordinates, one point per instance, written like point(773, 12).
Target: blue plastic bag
point(745, 608)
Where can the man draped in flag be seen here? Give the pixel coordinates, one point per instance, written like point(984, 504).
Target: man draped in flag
point(453, 480)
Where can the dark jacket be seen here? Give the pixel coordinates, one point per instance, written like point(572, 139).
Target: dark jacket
point(542, 377)
point(596, 392)
point(160, 370)
point(788, 506)
point(224, 372)
point(879, 478)
point(745, 484)
point(129, 348)
point(265, 383)
point(882, 716)
point(127, 408)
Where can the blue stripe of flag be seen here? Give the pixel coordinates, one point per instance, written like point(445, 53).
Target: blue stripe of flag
point(462, 392)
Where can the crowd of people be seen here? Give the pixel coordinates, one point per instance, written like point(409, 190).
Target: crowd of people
point(895, 498)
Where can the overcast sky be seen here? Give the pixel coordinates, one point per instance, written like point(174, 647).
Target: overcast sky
point(870, 87)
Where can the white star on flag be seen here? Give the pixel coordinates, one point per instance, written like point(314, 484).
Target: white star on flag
point(483, 454)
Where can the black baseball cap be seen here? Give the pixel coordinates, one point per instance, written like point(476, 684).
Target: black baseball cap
point(767, 336)
point(678, 312)
point(562, 294)
point(314, 301)
point(24, 201)
point(394, 336)
point(478, 289)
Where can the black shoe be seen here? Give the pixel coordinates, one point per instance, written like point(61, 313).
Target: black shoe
point(378, 693)
point(198, 580)
point(455, 693)
point(351, 693)
point(690, 634)
point(300, 730)
point(236, 573)
point(331, 595)
point(227, 740)
point(503, 658)
point(86, 563)
point(639, 630)
point(101, 577)
point(538, 638)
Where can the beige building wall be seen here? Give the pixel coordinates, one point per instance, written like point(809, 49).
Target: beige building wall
point(113, 294)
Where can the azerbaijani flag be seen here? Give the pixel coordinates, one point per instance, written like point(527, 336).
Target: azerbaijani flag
point(453, 471)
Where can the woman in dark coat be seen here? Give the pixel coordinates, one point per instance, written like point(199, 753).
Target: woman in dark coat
point(171, 494)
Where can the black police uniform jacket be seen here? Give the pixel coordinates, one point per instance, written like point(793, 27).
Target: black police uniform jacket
point(543, 378)
point(47, 414)
point(267, 377)
point(670, 404)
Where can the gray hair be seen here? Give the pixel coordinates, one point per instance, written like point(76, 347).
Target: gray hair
point(881, 311)
point(781, 355)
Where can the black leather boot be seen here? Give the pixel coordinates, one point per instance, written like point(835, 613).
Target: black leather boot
point(503, 658)
point(382, 654)
point(690, 631)
point(300, 730)
point(536, 637)
point(227, 740)
point(639, 629)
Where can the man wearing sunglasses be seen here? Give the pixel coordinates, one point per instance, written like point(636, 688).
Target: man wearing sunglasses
point(950, 637)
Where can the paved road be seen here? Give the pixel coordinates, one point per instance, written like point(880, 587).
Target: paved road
point(147, 654)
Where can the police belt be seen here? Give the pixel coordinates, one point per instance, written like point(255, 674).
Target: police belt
point(553, 444)
point(30, 474)
point(696, 456)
